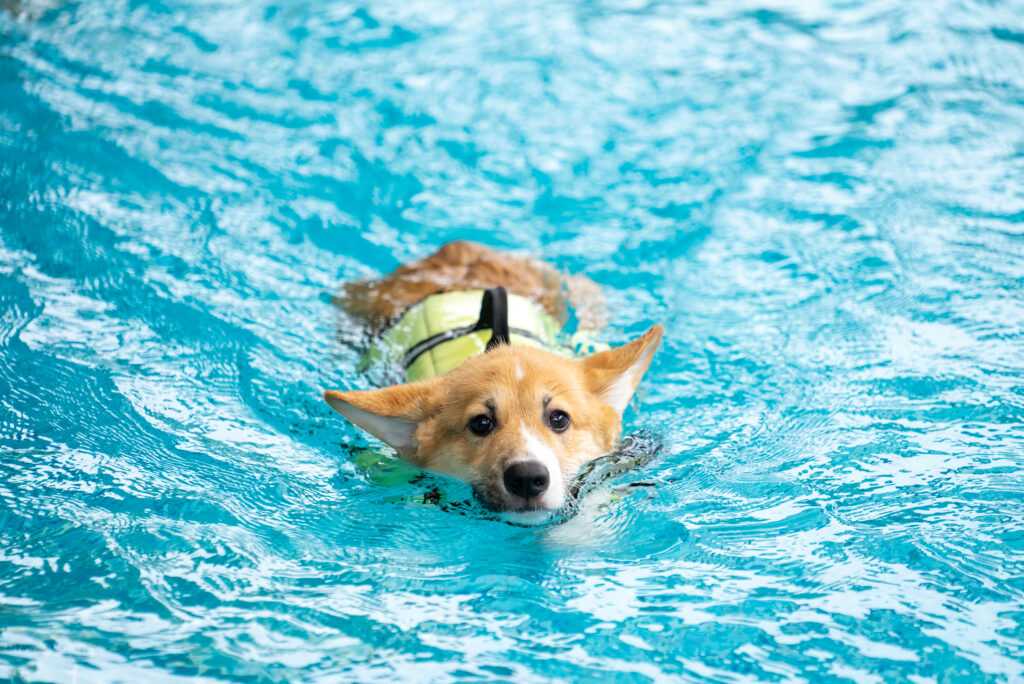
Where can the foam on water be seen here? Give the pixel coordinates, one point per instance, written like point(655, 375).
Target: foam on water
point(822, 203)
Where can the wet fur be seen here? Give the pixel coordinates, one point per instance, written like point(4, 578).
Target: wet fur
point(465, 265)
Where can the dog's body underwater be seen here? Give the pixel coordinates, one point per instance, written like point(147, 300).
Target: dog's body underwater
point(494, 396)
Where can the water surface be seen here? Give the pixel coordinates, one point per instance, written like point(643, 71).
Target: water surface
point(822, 203)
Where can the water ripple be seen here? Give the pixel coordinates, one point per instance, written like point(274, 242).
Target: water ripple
point(820, 202)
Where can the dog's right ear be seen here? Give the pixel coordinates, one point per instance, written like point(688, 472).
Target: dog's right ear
point(391, 414)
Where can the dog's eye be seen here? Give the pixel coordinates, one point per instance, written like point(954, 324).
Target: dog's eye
point(558, 420)
point(481, 425)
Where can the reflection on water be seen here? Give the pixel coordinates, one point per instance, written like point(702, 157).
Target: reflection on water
point(822, 204)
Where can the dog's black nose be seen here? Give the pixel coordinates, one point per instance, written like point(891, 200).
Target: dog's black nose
point(526, 478)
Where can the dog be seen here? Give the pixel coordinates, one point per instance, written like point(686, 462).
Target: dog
point(493, 397)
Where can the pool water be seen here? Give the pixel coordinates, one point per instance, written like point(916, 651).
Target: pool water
point(822, 202)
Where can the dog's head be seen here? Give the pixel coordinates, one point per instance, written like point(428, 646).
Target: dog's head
point(517, 423)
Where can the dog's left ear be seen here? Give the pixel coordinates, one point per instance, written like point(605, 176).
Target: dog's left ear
point(391, 414)
point(615, 374)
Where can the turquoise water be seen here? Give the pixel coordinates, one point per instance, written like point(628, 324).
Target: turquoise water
point(822, 203)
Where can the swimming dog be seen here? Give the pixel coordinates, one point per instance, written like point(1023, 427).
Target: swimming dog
point(493, 396)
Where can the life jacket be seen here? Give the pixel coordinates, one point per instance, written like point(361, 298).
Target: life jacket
point(437, 334)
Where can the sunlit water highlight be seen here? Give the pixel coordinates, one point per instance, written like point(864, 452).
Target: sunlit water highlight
point(822, 202)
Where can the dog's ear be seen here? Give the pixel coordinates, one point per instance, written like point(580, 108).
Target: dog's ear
point(391, 414)
point(615, 374)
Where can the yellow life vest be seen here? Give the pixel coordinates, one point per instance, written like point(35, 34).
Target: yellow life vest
point(439, 333)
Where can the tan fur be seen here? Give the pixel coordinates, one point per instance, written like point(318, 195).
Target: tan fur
point(462, 265)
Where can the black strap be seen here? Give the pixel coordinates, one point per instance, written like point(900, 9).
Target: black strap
point(494, 315)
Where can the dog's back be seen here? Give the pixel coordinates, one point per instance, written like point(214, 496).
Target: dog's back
point(462, 265)
point(456, 266)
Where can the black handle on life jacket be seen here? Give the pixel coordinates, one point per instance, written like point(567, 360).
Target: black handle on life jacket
point(494, 315)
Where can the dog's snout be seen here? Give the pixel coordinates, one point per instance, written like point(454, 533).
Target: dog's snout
point(527, 479)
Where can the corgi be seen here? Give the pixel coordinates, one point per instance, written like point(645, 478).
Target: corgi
point(493, 396)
